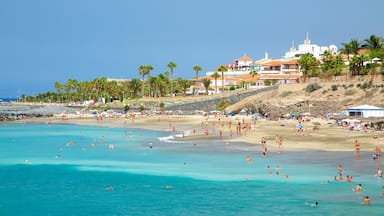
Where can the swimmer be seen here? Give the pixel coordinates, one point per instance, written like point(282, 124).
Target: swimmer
point(249, 159)
point(111, 147)
point(110, 187)
point(58, 156)
point(366, 200)
point(379, 173)
point(358, 188)
point(277, 169)
point(168, 187)
point(150, 145)
point(339, 169)
point(315, 204)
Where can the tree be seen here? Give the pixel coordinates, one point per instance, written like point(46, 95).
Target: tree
point(143, 70)
point(163, 83)
point(184, 84)
point(134, 85)
point(153, 83)
point(171, 65)
point(356, 64)
point(206, 83)
point(58, 88)
point(253, 73)
point(355, 46)
point(308, 65)
point(222, 69)
point(215, 76)
point(197, 68)
point(373, 43)
point(351, 48)
point(149, 68)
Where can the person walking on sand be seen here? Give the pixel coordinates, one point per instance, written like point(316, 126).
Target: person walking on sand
point(357, 146)
point(379, 173)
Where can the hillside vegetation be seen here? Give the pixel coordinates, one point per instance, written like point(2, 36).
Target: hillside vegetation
point(316, 98)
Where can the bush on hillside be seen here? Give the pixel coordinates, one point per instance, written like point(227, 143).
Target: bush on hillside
point(312, 87)
point(285, 93)
point(350, 92)
point(334, 87)
point(223, 104)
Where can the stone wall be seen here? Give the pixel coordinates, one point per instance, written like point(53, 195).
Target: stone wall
point(213, 101)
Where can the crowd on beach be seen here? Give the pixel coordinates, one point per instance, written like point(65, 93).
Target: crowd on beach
point(228, 129)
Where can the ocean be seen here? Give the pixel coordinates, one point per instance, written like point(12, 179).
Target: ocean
point(60, 169)
point(7, 100)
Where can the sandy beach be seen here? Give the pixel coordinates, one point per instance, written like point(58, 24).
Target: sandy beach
point(327, 137)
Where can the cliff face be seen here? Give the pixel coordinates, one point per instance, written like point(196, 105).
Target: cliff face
point(330, 97)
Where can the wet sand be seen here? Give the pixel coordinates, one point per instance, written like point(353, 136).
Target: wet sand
point(196, 127)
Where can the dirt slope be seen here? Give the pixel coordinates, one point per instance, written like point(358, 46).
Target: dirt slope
point(293, 98)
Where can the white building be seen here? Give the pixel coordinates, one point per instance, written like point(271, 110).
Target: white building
point(366, 111)
point(307, 47)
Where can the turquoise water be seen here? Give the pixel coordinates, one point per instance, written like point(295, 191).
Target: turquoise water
point(66, 169)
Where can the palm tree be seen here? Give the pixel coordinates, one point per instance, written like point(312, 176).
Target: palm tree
point(215, 75)
point(206, 83)
point(222, 69)
point(163, 83)
point(355, 46)
point(347, 50)
point(149, 68)
point(308, 65)
point(134, 86)
point(153, 84)
point(253, 73)
point(184, 84)
point(374, 43)
point(58, 88)
point(171, 65)
point(143, 70)
point(351, 48)
point(197, 68)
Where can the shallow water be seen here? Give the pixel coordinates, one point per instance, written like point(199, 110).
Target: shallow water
point(65, 170)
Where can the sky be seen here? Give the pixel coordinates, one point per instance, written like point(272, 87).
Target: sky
point(44, 41)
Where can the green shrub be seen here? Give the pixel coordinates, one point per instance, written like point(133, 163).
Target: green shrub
point(351, 86)
point(126, 108)
point(141, 107)
point(350, 92)
point(267, 82)
point(347, 101)
point(285, 93)
point(334, 87)
point(232, 88)
point(364, 85)
point(312, 87)
point(223, 104)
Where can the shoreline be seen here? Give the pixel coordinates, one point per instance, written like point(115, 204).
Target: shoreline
point(199, 128)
